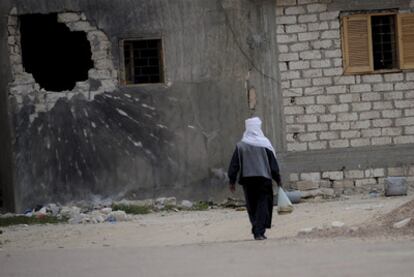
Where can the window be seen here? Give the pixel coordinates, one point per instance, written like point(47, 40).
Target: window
point(375, 42)
point(142, 61)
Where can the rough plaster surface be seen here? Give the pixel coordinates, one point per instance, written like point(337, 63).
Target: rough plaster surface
point(144, 141)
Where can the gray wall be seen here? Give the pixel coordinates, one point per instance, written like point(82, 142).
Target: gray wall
point(212, 51)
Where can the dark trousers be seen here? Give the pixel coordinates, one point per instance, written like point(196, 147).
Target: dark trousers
point(259, 204)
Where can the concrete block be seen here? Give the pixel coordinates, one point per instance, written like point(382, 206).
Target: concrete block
point(306, 118)
point(322, 44)
point(295, 10)
point(371, 132)
point(306, 185)
point(391, 131)
point(396, 171)
point(327, 118)
point(358, 142)
point(316, 8)
point(354, 174)
point(374, 172)
point(288, 57)
point(306, 18)
point(371, 96)
point(408, 112)
point(383, 105)
point(404, 121)
point(68, 17)
point(314, 90)
point(320, 63)
point(294, 110)
point(292, 92)
point(391, 113)
point(334, 24)
point(347, 117)
point(307, 137)
point(393, 95)
point(326, 99)
point(318, 26)
point(289, 119)
point(295, 128)
point(403, 139)
point(362, 106)
point(365, 182)
point(296, 28)
point(350, 134)
point(288, 38)
point(293, 177)
point(290, 19)
point(340, 143)
point(333, 175)
point(295, 147)
point(369, 115)
point(318, 145)
point(404, 86)
point(336, 71)
point(301, 83)
point(310, 176)
point(409, 130)
point(317, 127)
point(283, 48)
point(361, 124)
point(329, 135)
point(330, 34)
point(283, 3)
point(312, 109)
point(404, 104)
point(338, 108)
point(381, 140)
point(382, 87)
point(360, 88)
point(294, 65)
point(372, 78)
point(349, 98)
point(312, 73)
point(381, 122)
point(345, 80)
point(329, 15)
point(339, 126)
point(322, 81)
point(288, 75)
point(394, 77)
point(300, 46)
point(283, 66)
point(310, 55)
point(308, 36)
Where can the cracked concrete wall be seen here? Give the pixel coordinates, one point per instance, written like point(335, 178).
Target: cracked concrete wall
point(152, 140)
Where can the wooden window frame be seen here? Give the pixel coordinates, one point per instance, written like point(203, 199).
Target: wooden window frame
point(401, 64)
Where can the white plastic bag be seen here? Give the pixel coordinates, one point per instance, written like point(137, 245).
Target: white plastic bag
point(283, 203)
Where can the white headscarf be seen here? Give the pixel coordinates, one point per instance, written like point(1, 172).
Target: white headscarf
point(254, 134)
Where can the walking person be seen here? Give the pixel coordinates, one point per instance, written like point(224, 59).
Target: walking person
point(254, 165)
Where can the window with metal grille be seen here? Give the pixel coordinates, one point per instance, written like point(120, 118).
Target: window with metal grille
point(383, 42)
point(143, 61)
point(378, 42)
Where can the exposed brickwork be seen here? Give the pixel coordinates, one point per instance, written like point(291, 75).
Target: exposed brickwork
point(361, 110)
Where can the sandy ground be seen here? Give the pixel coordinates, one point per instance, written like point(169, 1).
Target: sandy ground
point(181, 228)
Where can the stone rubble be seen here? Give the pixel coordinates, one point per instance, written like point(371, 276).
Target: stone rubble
point(402, 223)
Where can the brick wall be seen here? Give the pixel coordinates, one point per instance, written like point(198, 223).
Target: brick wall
point(323, 108)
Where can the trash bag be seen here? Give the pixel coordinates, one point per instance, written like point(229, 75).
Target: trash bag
point(283, 203)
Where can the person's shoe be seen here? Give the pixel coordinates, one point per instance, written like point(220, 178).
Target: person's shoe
point(259, 237)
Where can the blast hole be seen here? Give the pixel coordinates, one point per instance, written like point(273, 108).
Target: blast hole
point(56, 57)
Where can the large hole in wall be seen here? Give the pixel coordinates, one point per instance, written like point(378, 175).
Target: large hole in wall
point(56, 57)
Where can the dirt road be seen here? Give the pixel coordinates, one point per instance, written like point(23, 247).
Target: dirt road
point(211, 243)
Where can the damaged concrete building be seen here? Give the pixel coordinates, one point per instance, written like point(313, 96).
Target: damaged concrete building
point(141, 99)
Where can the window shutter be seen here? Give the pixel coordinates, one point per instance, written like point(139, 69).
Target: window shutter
point(357, 44)
point(406, 40)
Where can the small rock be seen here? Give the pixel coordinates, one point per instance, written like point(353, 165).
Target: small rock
point(186, 204)
point(402, 223)
point(106, 210)
point(53, 209)
point(305, 230)
point(119, 215)
point(337, 224)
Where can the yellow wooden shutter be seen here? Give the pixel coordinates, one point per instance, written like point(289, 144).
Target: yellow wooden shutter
point(406, 40)
point(357, 44)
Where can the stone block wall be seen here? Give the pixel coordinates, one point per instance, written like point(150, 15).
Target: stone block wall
point(323, 108)
point(326, 110)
